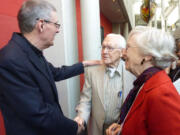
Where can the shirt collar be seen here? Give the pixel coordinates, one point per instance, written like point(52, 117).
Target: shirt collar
point(118, 69)
point(35, 49)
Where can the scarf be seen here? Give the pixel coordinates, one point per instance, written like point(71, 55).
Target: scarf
point(146, 75)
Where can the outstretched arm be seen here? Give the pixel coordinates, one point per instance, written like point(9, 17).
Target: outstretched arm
point(65, 72)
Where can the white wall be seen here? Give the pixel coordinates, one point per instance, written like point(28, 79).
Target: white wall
point(91, 36)
point(65, 51)
point(71, 52)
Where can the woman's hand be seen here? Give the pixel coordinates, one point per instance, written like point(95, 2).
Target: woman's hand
point(113, 129)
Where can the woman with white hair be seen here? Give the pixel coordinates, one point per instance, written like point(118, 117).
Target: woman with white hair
point(153, 105)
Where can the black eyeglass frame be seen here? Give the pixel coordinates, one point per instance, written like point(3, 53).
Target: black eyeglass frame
point(47, 21)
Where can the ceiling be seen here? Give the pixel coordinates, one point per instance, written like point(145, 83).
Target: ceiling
point(114, 10)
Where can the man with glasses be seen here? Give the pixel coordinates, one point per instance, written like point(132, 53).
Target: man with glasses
point(28, 94)
point(105, 87)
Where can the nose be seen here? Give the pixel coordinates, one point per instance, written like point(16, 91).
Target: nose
point(58, 30)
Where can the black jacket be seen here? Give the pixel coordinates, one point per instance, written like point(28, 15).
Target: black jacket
point(28, 95)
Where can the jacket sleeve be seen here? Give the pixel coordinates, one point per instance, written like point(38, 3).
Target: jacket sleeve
point(66, 72)
point(23, 95)
point(83, 109)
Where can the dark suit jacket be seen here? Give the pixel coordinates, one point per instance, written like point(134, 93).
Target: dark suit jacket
point(156, 109)
point(28, 95)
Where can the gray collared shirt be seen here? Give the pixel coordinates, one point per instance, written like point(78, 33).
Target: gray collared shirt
point(112, 95)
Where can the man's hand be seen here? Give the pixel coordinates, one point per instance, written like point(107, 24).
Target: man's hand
point(113, 129)
point(80, 129)
point(92, 62)
point(80, 122)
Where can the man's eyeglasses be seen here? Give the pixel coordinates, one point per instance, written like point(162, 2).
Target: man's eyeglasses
point(47, 21)
point(56, 24)
point(108, 48)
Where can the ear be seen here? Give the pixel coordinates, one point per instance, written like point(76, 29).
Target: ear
point(40, 25)
point(148, 58)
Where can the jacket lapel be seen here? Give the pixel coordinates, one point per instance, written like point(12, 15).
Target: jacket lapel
point(36, 62)
point(24, 45)
point(100, 83)
point(52, 81)
point(137, 103)
point(153, 82)
point(47, 73)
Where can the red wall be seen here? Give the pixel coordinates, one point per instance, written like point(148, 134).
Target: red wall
point(106, 24)
point(79, 36)
point(8, 23)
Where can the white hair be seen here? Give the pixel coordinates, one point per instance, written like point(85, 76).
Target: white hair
point(156, 43)
point(121, 42)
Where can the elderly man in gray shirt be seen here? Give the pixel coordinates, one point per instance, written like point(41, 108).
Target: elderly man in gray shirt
point(106, 86)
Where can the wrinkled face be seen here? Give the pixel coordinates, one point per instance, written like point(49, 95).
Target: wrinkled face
point(50, 29)
point(132, 56)
point(110, 52)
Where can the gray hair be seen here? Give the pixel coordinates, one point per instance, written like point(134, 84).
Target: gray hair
point(121, 42)
point(156, 43)
point(30, 11)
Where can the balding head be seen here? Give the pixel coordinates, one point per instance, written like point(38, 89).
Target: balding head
point(116, 39)
point(111, 49)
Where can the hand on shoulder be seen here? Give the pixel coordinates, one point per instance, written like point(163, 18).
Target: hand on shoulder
point(92, 62)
